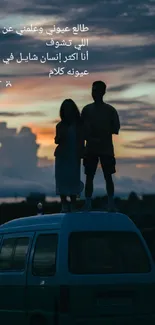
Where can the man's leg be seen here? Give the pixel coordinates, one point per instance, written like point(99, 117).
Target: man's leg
point(88, 192)
point(89, 186)
point(109, 184)
point(108, 167)
point(90, 164)
point(110, 190)
point(73, 203)
point(64, 203)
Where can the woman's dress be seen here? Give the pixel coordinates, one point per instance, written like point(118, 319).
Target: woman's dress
point(68, 166)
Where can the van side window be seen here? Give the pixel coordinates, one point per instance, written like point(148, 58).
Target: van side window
point(20, 254)
point(6, 254)
point(13, 254)
point(107, 252)
point(44, 259)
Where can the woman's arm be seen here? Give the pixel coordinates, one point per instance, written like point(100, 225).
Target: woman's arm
point(60, 133)
point(57, 137)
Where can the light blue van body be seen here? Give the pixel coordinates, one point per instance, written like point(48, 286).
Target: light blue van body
point(83, 268)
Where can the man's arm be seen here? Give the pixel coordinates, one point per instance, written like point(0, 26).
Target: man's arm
point(115, 122)
point(84, 119)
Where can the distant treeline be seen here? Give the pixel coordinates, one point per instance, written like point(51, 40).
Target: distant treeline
point(141, 211)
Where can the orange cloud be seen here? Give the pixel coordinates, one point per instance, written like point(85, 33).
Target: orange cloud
point(142, 165)
point(45, 134)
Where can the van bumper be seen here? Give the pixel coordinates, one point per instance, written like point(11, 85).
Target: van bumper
point(128, 320)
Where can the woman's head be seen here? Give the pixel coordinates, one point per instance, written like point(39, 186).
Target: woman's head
point(69, 111)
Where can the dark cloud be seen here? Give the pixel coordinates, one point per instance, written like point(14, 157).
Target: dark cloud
point(119, 17)
point(43, 10)
point(131, 23)
point(119, 88)
point(130, 102)
point(19, 171)
point(137, 119)
point(13, 43)
point(13, 143)
point(103, 18)
point(151, 80)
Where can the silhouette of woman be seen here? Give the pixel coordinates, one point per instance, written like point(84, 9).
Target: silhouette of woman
point(68, 154)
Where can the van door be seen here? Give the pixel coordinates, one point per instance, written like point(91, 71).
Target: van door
point(110, 279)
point(14, 255)
point(42, 278)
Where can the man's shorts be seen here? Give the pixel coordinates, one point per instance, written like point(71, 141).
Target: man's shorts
point(91, 161)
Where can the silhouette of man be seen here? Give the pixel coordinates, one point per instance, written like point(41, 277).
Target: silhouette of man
point(100, 121)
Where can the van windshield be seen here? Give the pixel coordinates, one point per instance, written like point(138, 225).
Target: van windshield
point(107, 252)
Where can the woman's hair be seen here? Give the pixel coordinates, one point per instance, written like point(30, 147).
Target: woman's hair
point(69, 103)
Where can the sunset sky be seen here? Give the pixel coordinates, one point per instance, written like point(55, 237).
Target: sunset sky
point(121, 53)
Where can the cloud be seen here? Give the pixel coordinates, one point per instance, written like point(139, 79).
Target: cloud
point(123, 185)
point(11, 186)
point(126, 10)
point(136, 160)
point(137, 185)
point(18, 152)
point(101, 54)
point(119, 88)
point(45, 134)
point(17, 114)
point(45, 161)
point(119, 17)
point(55, 121)
point(137, 119)
point(131, 102)
point(121, 52)
point(146, 143)
point(21, 171)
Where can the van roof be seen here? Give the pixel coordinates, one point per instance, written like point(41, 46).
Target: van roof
point(94, 220)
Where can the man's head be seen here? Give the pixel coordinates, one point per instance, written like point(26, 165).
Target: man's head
point(98, 90)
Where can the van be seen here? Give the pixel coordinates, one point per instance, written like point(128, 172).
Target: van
point(83, 268)
point(149, 236)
